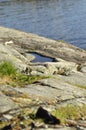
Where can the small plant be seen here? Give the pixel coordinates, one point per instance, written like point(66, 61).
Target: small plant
point(22, 79)
point(9, 75)
point(7, 68)
point(70, 112)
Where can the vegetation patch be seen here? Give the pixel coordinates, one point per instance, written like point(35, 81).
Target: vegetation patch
point(22, 79)
point(10, 75)
point(7, 68)
point(70, 112)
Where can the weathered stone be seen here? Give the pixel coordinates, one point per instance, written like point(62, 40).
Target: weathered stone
point(8, 117)
point(43, 45)
point(6, 104)
point(29, 56)
point(83, 68)
point(61, 67)
point(62, 128)
point(77, 79)
point(10, 54)
point(38, 70)
point(56, 91)
point(53, 68)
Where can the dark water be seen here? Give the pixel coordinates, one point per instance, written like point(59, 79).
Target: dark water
point(41, 58)
point(56, 19)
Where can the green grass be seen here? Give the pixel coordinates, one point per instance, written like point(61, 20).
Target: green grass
point(9, 75)
point(7, 68)
point(70, 112)
point(22, 79)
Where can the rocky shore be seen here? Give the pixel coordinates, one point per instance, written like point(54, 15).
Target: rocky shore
point(63, 87)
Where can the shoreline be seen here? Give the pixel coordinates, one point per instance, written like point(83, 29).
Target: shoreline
point(42, 45)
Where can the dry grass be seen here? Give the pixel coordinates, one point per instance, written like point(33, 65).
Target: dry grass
point(70, 112)
point(5, 80)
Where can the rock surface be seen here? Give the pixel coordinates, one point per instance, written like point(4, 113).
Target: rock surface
point(45, 46)
point(65, 84)
point(6, 104)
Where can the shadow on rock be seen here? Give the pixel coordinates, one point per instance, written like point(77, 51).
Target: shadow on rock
point(46, 116)
point(8, 127)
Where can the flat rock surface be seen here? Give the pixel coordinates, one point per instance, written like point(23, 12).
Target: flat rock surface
point(6, 104)
point(56, 90)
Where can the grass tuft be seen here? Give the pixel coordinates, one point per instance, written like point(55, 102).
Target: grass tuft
point(7, 68)
point(22, 79)
point(70, 112)
point(9, 75)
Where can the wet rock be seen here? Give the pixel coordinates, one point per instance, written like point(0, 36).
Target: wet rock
point(46, 116)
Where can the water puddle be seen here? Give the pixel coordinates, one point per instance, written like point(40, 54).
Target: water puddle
point(41, 58)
